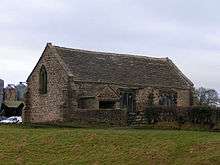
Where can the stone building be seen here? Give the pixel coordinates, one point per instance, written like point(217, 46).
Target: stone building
point(13, 100)
point(20, 91)
point(10, 93)
point(67, 84)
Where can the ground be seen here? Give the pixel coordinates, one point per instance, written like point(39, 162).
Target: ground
point(54, 145)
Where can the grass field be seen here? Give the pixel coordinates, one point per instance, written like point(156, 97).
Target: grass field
point(48, 145)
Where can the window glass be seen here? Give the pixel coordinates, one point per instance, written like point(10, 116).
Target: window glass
point(43, 80)
point(106, 105)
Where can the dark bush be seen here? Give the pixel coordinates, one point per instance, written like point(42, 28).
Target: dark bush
point(151, 114)
point(201, 114)
point(195, 115)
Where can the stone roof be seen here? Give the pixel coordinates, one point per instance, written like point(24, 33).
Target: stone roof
point(94, 66)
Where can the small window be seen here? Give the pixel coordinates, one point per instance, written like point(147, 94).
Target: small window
point(106, 105)
point(43, 80)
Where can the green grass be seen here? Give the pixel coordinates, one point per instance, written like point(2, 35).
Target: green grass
point(53, 145)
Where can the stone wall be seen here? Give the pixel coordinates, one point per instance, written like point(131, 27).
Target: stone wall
point(142, 97)
point(89, 91)
point(92, 89)
point(10, 93)
point(109, 117)
point(47, 107)
point(64, 95)
point(183, 97)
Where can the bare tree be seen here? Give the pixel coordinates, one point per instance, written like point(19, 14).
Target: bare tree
point(207, 96)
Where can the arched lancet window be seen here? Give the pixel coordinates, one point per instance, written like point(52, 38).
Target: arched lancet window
point(43, 80)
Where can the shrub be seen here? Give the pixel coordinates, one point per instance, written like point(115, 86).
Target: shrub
point(196, 115)
point(201, 115)
point(151, 114)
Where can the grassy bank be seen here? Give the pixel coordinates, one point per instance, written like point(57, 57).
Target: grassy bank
point(48, 145)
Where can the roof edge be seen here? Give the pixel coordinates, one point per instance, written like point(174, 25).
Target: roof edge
point(50, 46)
point(111, 53)
point(180, 73)
point(62, 63)
point(47, 46)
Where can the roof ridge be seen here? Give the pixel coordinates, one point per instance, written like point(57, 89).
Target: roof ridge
point(112, 54)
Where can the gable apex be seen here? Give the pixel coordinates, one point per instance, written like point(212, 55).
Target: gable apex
point(50, 47)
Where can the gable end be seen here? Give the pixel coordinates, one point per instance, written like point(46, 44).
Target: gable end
point(47, 48)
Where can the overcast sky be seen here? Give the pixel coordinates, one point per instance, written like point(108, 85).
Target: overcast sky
point(188, 32)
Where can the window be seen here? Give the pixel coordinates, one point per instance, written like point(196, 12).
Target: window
point(106, 105)
point(128, 100)
point(168, 98)
point(43, 80)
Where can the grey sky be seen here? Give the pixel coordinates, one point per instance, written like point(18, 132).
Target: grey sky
point(185, 31)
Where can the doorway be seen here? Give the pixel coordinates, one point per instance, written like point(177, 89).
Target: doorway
point(128, 100)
